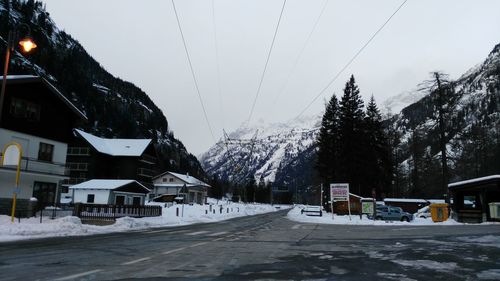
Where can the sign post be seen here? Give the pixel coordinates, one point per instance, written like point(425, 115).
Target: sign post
point(340, 192)
point(11, 156)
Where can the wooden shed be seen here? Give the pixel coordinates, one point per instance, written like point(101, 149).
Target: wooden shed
point(471, 198)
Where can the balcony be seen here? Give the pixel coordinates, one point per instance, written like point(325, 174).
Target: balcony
point(145, 172)
point(38, 166)
point(78, 151)
point(148, 159)
point(73, 181)
point(77, 167)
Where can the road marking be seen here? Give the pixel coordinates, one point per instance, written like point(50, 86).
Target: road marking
point(198, 244)
point(217, 234)
point(297, 226)
point(173, 251)
point(155, 231)
point(136, 261)
point(78, 275)
point(197, 233)
point(218, 239)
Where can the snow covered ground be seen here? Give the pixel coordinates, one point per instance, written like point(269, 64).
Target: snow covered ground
point(296, 215)
point(72, 226)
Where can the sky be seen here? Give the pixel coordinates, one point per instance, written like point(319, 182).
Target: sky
point(228, 42)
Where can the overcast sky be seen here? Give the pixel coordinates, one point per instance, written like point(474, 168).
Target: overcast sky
point(139, 41)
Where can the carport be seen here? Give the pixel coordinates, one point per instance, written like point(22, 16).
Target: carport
point(471, 198)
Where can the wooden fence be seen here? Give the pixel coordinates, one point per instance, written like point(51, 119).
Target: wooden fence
point(103, 212)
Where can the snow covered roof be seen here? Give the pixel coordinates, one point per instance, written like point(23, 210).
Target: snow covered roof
point(405, 200)
point(105, 184)
point(185, 178)
point(476, 180)
point(174, 185)
point(14, 79)
point(116, 147)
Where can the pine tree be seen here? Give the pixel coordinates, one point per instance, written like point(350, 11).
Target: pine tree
point(377, 157)
point(328, 142)
point(351, 123)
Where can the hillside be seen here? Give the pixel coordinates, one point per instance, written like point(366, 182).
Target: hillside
point(115, 108)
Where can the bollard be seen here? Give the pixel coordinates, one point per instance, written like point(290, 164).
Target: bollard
point(177, 211)
point(227, 210)
point(206, 212)
point(213, 210)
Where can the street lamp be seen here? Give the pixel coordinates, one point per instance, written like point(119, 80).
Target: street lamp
point(26, 44)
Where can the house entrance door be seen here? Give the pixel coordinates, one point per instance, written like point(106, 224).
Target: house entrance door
point(120, 200)
point(45, 192)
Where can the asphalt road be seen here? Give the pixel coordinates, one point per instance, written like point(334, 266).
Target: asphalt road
point(262, 247)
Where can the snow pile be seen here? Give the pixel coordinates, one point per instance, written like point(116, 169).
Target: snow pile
point(296, 215)
point(72, 226)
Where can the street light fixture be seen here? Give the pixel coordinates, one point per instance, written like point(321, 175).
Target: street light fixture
point(27, 45)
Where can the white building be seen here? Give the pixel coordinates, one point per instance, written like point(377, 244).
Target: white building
point(40, 119)
point(116, 192)
point(190, 188)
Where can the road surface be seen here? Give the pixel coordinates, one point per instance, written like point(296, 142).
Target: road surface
point(262, 247)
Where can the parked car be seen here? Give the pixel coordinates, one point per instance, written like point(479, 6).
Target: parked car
point(424, 212)
point(392, 214)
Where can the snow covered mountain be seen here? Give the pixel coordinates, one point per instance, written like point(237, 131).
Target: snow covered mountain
point(395, 104)
point(285, 153)
point(473, 125)
point(275, 148)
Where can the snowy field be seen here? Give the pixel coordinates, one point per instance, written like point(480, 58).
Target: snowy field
point(296, 215)
point(72, 226)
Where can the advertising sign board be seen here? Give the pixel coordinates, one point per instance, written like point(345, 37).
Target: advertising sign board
point(339, 191)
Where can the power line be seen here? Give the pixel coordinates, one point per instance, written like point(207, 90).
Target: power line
point(301, 52)
point(217, 63)
point(192, 72)
point(267, 62)
point(352, 59)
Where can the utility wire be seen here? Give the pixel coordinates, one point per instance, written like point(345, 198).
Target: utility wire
point(352, 59)
point(300, 53)
point(218, 66)
point(192, 72)
point(267, 62)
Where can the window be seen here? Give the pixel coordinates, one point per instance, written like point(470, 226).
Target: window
point(164, 179)
point(90, 198)
point(45, 152)
point(171, 179)
point(64, 189)
point(20, 108)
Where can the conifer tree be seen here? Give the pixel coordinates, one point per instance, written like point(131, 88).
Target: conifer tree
point(377, 156)
point(351, 123)
point(328, 142)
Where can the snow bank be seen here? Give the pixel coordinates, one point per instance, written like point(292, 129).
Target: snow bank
point(296, 215)
point(72, 226)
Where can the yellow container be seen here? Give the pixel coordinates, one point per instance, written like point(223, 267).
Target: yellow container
point(439, 212)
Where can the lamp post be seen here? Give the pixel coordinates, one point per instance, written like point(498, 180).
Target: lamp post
point(26, 44)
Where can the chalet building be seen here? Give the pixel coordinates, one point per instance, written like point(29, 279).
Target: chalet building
point(116, 192)
point(40, 119)
point(93, 157)
point(174, 185)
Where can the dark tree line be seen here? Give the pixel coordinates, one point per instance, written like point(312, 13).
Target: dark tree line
point(353, 146)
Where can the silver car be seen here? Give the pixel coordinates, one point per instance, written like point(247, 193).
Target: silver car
point(392, 214)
